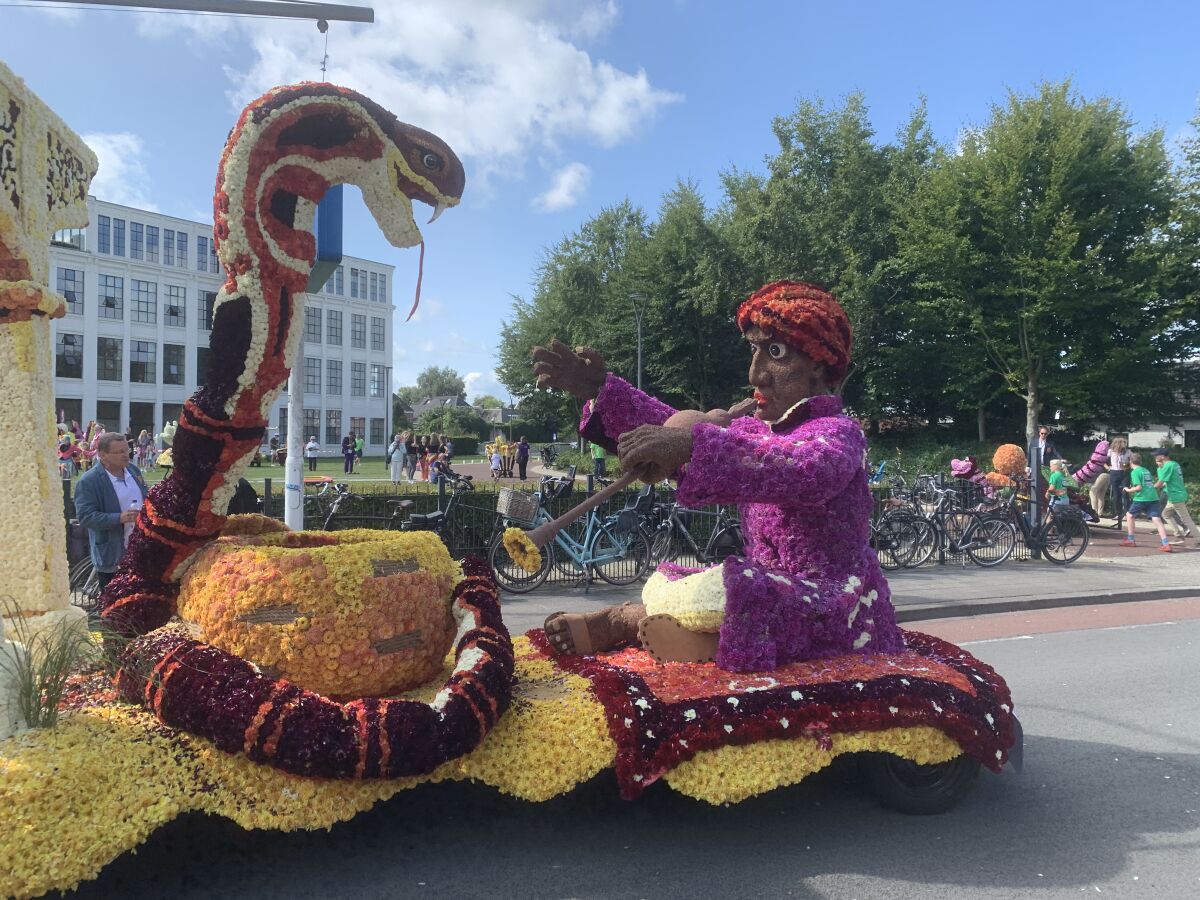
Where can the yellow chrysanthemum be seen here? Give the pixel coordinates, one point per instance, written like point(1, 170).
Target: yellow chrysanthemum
point(522, 550)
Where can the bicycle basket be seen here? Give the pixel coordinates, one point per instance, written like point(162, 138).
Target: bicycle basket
point(518, 506)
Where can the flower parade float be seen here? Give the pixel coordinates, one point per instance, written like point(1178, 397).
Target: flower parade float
point(290, 680)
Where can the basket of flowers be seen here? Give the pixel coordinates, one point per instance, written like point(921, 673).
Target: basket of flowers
point(520, 507)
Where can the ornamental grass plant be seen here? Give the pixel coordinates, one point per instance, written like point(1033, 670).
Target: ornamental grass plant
point(50, 657)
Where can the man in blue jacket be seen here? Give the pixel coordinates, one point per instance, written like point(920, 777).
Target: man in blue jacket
point(107, 501)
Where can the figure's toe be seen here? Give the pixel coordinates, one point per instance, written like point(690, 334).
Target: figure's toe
point(558, 632)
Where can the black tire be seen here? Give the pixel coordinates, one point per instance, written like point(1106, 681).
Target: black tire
point(919, 536)
point(990, 542)
point(633, 563)
point(510, 576)
point(1064, 539)
point(726, 542)
point(893, 540)
point(917, 790)
point(663, 545)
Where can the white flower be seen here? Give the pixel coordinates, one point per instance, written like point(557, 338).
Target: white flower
point(893, 709)
point(642, 703)
point(689, 714)
point(728, 729)
point(732, 701)
point(796, 695)
point(628, 722)
point(784, 723)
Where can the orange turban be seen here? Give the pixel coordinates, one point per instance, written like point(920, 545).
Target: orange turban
point(805, 317)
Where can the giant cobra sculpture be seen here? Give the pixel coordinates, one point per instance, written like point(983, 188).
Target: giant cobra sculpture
point(287, 149)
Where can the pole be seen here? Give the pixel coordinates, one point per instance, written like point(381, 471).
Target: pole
point(279, 9)
point(293, 479)
point(639, 308)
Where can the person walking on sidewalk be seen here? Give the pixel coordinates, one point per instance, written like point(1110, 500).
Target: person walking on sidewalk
point(1145, 502)
point(1169, 480)
point(1118, 477)
point(599, 460)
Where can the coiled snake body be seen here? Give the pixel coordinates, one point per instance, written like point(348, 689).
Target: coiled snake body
point(287, 149)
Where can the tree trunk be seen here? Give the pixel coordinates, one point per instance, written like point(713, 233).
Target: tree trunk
point(1032, 407)
point(982, 423)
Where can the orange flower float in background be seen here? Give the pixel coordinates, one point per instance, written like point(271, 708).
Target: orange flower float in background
point(343, 614)
point(1010, 460)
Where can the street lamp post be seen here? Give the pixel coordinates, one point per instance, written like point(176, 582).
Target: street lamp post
point(639, 311)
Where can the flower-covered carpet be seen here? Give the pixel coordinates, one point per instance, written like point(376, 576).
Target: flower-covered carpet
point(74, 798)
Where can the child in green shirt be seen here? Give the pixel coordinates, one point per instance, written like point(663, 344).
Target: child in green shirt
point(1169, 480)
point(1057, 482)
point(1145, 502)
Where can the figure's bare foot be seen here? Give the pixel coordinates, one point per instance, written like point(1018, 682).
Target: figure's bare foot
point(667, 641)
point(583, 634)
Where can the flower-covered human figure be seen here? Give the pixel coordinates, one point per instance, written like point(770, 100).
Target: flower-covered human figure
point(809, 585)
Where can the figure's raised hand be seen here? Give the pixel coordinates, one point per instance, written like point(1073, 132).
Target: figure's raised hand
point(655, 452)
point(579, 372)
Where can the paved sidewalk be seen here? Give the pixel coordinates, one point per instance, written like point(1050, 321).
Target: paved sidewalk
point(1111, 574)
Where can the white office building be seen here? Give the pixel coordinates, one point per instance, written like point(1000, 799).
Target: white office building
point(140, 288)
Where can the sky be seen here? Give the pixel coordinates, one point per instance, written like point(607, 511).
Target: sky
point(560, 108)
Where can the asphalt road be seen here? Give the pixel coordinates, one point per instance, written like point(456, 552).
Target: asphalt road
point(1108, 804)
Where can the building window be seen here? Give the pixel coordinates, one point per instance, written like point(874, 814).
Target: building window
point(333, 426)
point(376, 431)
point(208, 300)
point(201, 366)
point(377, 332)
point(175, 306)
point(70, 407)
point(112, 297)
point(383, 294)
point(181, 243)
point(136, 241)
point(172, 412)
point(312, 375)
point(312, 422)
point(374, 289)
point(108, 414)
point(143, 362)
point(108, 360)
point(152, 243)
point(283, 425)
point(103, 234)
point(214, 264)
point(358, 331)
point(354, 283)
point(333, 327)
point(338, 286)
point(144, 295)
point(118, 237)
point(173, 364)
point(168, 247)
point(70, 285)
point(358, 379)
point(68, 355)
point(376, 380)
point(70, 237)
point(312, 325)
point(359, 427)
point(201, 254)
point(333, 376)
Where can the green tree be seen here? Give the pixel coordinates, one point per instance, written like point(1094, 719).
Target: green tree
point(487, 401)
point(1038, 242)
point(452, 420)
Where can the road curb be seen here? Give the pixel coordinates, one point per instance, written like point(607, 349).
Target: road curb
point(952, 609)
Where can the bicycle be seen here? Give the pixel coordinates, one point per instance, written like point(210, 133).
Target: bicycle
point(672, 538)
point(1061, 537)
point(985, 540)
point(613, 546)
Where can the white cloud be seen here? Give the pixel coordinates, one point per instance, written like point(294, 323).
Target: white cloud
point(565, 189)
point(122, 177)
point(500, 82)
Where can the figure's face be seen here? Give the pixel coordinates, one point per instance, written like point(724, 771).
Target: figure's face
point(781, 375)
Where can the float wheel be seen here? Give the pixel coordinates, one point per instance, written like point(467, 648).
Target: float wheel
point(918, 790)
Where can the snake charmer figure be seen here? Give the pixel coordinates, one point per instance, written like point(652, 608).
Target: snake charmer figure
point(809, 585)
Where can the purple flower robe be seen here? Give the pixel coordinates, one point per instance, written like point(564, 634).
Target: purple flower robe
point(810, 585)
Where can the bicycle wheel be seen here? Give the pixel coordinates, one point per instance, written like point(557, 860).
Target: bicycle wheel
point(663, 545)
point(1064, 539)
point(511, 576)
point(726, 542)
point(629, 557)
point(990, 542)
point(915, 535)
point(893, 542)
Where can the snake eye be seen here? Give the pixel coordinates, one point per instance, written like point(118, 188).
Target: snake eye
point(431, 161)
point(777, 350)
